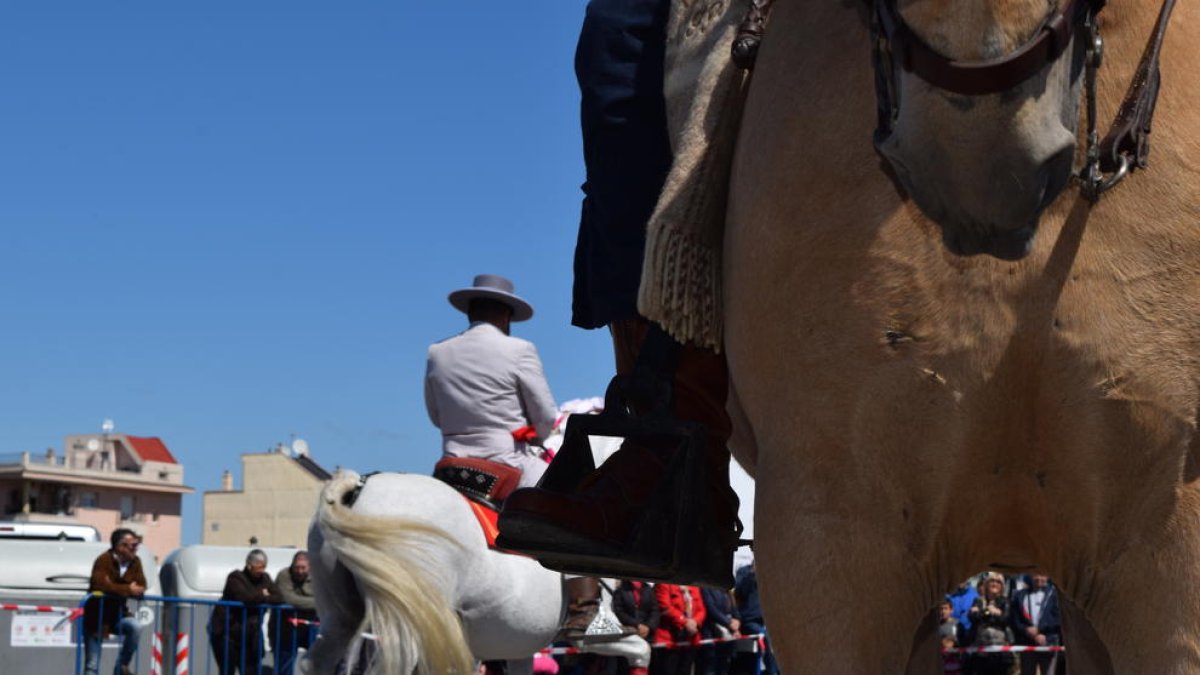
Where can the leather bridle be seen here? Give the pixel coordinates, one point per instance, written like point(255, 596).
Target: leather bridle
point(1124, 148)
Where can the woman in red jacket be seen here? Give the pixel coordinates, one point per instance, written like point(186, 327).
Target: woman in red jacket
point(682, 614)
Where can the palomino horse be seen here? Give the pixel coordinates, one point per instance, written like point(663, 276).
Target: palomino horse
point(914, 415)
point(409, 560)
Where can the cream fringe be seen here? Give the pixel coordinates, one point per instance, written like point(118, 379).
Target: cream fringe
point(681, 271)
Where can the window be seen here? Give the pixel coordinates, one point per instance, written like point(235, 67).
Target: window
point(214, 526)
point(88, 500)
point(126, 507)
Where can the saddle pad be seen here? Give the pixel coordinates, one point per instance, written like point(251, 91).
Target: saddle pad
point(478, 478)
point(487, 518)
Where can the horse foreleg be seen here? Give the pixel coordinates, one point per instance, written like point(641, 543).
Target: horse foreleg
point(926, 655)
point(1145, 606)
point(838, 594)
point(1088, 654)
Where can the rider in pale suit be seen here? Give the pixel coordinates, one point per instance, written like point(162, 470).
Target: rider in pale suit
point(483, 384)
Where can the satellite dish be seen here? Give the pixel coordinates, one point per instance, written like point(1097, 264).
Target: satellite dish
point(300, 447)
point(93, 444)
point(107, 426)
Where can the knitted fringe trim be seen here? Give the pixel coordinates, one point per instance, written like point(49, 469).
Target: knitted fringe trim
point(681, 286)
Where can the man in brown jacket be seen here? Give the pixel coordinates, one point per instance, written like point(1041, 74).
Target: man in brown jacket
point(116, 576)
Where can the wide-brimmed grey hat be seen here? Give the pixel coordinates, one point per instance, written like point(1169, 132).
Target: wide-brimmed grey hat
point(494, 287)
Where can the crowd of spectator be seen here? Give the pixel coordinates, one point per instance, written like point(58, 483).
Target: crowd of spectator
point(991, 610)
point(693, 631)
point(701, 627)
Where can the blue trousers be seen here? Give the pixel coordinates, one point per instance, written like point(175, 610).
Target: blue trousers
point(626, 150)
point(128, 629)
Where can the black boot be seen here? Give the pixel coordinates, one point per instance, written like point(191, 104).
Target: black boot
point(657, 509)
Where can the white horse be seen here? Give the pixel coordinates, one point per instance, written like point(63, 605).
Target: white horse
point(406, 559)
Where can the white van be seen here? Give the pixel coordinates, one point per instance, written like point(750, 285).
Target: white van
point(55, 574)
point(10, 529)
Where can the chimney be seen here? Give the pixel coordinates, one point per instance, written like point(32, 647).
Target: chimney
point(227, 481)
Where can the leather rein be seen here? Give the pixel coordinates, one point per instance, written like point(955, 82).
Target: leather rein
point(1124, 148)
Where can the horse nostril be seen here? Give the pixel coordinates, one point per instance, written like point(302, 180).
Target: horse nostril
point(960, 243)
point(1011, 244)
point(1054, 175)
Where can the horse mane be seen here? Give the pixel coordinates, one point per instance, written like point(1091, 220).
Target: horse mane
point(416, 628)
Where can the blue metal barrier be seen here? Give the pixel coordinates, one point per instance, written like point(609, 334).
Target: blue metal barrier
point(175, 636)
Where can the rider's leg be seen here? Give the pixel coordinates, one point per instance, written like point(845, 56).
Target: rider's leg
point(619, 63)
point(611, 503)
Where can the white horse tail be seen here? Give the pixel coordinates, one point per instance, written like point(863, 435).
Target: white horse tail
point(416, 627)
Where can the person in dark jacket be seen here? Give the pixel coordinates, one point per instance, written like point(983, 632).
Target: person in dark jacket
point(116, 575)
point(989, 614)
point(1037, 622)
point(745, 593)
point(287, 635)
point(636, 606)
point(235, 630)
point(721, 622)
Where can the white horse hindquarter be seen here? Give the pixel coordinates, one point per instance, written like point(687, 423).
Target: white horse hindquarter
point(403, 536)
point(510, 605)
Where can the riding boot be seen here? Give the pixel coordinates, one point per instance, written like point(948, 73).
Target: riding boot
point(584, 621)
point(620, 518)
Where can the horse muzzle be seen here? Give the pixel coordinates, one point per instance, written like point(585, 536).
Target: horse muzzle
point(991, 207)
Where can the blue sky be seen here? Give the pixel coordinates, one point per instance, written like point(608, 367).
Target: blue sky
point(225, 224)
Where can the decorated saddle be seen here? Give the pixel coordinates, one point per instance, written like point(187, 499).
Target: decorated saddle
point(483, 484)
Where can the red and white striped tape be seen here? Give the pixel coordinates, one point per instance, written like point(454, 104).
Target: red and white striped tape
point(181, 654)
point(660, 645)
point(38, 608)
point(999, 649)
point(69, 613)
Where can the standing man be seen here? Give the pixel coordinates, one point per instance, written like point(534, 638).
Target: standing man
point(295, 586)
point(485, 389)
point(636, 606)
point(1037, 622)
point(116, 576)
point(235, 631)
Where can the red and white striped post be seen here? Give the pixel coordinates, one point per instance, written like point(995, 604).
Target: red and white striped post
point(156, 655)
point(181, 655)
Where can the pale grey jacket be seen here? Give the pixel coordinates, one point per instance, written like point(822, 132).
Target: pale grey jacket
point(482, 385)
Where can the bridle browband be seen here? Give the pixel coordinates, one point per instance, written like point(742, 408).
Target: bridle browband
point(976, 78)
point(1124, 148)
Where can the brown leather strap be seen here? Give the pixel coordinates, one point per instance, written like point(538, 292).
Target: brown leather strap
point(1129, 136)
point(976, 78)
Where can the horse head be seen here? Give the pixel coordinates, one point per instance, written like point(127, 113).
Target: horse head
point(979, 111)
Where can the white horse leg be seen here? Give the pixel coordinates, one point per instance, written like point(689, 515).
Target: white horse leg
point(338, 604)
point(631, 647)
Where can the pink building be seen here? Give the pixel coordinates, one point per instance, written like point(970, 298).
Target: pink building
point(104, 480)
